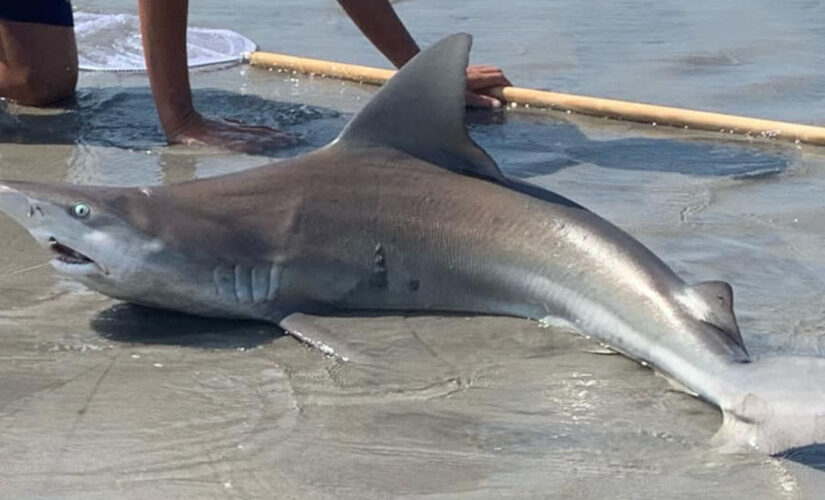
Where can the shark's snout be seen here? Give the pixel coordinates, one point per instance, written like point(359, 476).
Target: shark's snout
point(48, 227)
point(17, 205)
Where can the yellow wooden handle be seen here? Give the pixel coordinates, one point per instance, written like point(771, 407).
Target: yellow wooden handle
point(596, 106)
point(342, 71)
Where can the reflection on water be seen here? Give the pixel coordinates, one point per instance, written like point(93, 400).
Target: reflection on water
point(531, 146)
point(123, 117)
point(100, 399)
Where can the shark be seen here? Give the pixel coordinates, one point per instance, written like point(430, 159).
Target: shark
point(403, 211)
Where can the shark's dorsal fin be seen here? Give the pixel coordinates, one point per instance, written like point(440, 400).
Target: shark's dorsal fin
point(420, 111)
point(718, 295)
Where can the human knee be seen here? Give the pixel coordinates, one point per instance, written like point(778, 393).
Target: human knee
point(38, 62)
point(54, 86)
point(35, 86)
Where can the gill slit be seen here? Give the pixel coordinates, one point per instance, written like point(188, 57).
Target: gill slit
point(237, 268)
point(246, 284)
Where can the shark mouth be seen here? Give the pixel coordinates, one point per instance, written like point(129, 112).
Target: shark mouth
point(68, 255)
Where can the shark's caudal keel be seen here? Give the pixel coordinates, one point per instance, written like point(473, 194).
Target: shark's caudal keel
point(403, 211)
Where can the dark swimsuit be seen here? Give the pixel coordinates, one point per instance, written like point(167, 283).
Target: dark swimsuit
point(54, 12)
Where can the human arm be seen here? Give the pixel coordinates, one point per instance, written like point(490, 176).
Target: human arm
point(163, 30)
point(378, 21)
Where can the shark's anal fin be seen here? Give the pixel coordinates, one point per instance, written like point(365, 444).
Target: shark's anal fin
point(718, 295)
point(420, 111)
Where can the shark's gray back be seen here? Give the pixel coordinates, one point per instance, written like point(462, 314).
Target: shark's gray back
point(405, 211)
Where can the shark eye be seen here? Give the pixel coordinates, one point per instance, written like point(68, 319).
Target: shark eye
point(81, 210)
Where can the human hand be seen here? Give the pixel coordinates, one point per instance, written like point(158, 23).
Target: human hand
point(479, 78)
point(231, 134)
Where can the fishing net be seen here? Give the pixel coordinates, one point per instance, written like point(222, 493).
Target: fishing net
point(111, 42)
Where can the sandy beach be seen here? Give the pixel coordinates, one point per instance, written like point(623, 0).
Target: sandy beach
point(104, 400)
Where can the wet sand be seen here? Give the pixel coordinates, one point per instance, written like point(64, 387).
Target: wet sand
point(104, 400)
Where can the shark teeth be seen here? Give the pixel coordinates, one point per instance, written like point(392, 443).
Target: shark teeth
point(66, 254)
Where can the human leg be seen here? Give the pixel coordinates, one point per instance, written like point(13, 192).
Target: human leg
point(38, 55)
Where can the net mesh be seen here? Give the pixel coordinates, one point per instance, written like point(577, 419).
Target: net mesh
point(111, 42)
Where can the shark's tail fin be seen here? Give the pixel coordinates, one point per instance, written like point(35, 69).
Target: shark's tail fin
point(773, 404)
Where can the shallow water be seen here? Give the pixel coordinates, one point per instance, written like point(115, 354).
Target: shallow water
point(103, 400)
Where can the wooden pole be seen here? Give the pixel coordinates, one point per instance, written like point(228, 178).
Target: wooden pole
point(342, 71)
point(595, 106)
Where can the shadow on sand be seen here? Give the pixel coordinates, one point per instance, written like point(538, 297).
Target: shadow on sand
point(143, 325)
point(812, 455)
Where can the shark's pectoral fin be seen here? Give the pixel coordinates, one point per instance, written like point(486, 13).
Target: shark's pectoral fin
point(718, 295)
point(420, 111)
point(601, 351)
point(675, 384)
point(309, 330)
